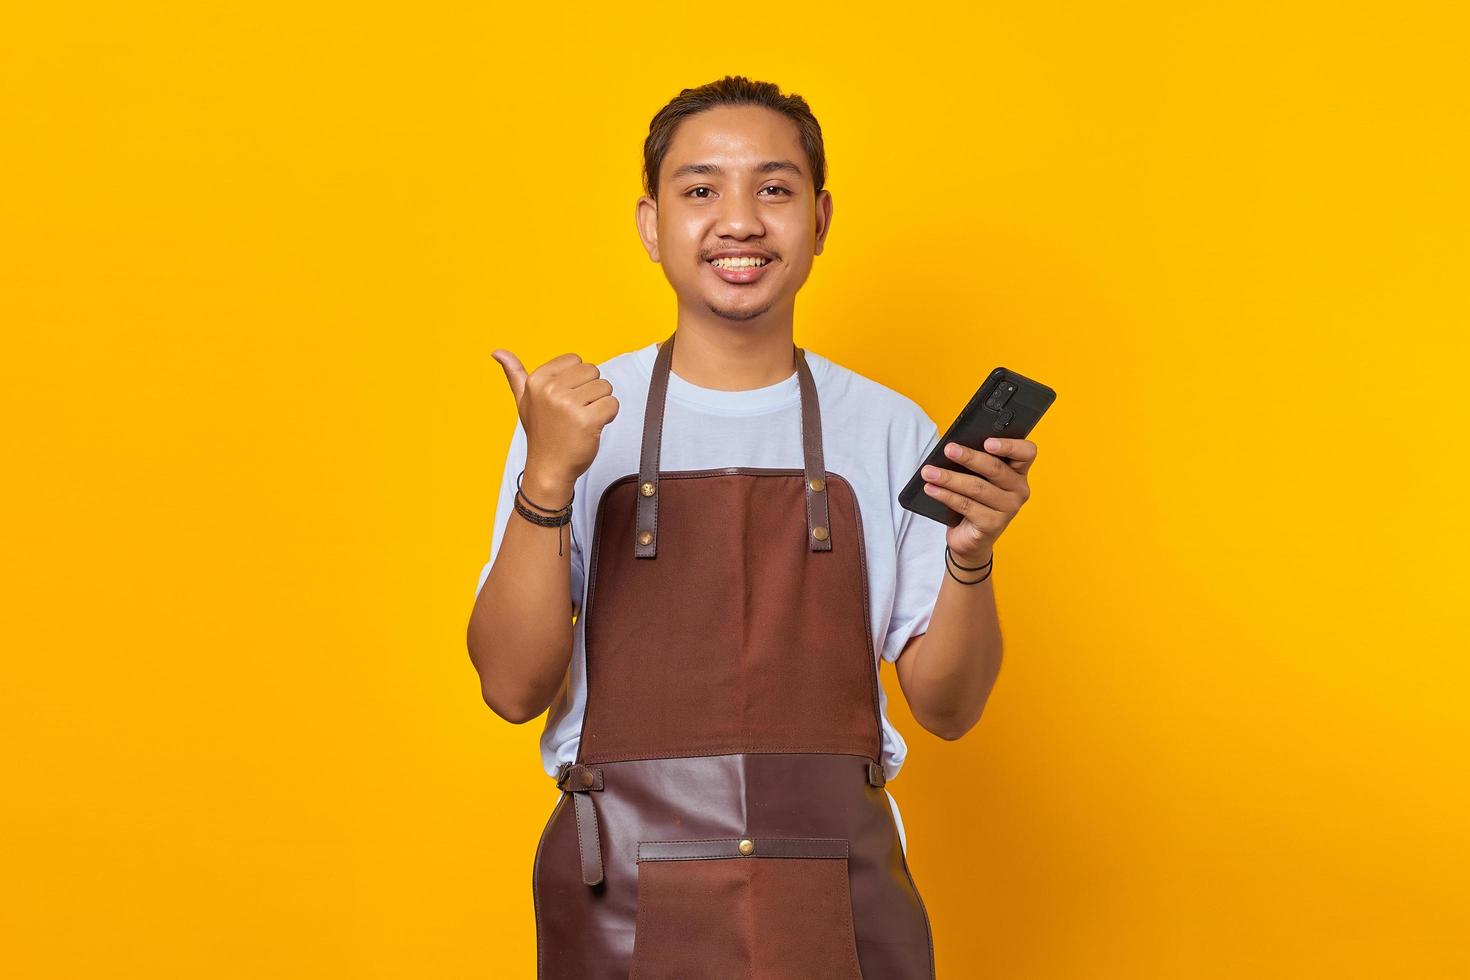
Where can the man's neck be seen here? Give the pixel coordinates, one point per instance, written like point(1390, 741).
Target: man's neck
point(734, 356)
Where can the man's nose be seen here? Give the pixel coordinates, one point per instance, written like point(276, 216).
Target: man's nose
point(740, 213)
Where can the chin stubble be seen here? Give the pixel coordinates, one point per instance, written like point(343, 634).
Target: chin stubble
point(738, 315)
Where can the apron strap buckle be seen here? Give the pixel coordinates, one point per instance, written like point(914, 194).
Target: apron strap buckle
point(575, 777)
point(579, 780)
point(875, 774)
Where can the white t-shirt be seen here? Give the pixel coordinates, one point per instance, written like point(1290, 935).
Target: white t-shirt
point(871, 435)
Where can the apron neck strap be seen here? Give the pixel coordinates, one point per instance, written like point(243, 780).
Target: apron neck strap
point(645, 534)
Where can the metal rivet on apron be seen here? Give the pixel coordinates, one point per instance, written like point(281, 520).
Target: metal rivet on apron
point(647, 489)
point(819, 532)
point(747, 846)
point(645, 537)
point(586, 778)
point(816, 483)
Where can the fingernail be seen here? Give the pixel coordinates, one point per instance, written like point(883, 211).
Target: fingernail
point(992, 444)
point(930, 472)
point(951, 450)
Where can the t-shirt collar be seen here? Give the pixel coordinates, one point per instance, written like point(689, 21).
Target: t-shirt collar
point(752, 401)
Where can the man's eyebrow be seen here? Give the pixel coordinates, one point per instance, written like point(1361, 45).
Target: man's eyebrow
point(770, 166)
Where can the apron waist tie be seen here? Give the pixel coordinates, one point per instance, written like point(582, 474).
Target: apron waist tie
point(579, 780)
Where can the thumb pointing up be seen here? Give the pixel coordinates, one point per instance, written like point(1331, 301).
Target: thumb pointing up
point(515, 372)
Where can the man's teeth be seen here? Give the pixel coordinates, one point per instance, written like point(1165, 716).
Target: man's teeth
point(741, 262)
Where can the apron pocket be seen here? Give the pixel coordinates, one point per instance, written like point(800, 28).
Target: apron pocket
point(769, 907)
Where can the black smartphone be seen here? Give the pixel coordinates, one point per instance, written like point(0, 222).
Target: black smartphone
point(1007, 405)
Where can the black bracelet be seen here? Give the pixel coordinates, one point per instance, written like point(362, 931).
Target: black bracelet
point(557, 520)
point(988, 566)
point(545, 520)
point(950, 555)
point(554, 510)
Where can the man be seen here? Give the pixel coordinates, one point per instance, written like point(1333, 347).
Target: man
point(737, 566)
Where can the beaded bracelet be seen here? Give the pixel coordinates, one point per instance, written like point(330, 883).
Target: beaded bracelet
point(949, 558)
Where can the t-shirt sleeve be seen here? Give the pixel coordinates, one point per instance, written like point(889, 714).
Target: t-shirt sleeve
point(515, 461)
point(920, 553)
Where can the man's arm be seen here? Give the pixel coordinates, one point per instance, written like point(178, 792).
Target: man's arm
point(948, 672)
point(520, 632)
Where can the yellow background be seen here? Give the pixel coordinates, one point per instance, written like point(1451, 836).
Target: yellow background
point(254, 260)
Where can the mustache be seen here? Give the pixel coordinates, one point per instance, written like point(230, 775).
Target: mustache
point(765, 252)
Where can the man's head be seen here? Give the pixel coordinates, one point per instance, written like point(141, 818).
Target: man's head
point(730, 168)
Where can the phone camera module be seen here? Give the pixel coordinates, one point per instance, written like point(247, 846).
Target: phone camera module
point(1001, 395)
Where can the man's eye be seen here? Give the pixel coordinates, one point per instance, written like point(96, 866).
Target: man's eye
point(768, 187)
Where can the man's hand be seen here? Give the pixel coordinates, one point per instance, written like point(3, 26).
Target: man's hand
point(987, 497)
point(563, 406)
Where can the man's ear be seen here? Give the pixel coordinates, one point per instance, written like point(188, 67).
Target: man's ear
point(824, 219)
point(646, 217)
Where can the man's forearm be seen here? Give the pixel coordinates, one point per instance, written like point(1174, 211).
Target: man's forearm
point(520, 631)
point(956, 661)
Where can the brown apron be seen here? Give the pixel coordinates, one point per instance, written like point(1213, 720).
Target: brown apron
point(727, 817)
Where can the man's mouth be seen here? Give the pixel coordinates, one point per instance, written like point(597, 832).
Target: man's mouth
point(739, 269)
point(738, 262)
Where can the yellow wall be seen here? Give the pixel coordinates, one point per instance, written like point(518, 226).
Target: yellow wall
point(253, 261)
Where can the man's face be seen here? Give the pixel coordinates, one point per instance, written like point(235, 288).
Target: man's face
point(735, 180)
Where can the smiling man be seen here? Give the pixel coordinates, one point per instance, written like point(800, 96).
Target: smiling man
point(742, 567)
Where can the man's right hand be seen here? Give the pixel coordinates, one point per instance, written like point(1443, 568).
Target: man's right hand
point(563, 406)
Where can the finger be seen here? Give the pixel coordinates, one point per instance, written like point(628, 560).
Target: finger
point(993, 468)
point(966, 484)
point(591, 391)
point(1021, 453)
point(515, 371)
point(604, 410)
point(559, 364)
point(987, 519)
point(577, 374)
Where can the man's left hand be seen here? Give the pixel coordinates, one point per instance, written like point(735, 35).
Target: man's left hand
point(986, 498)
